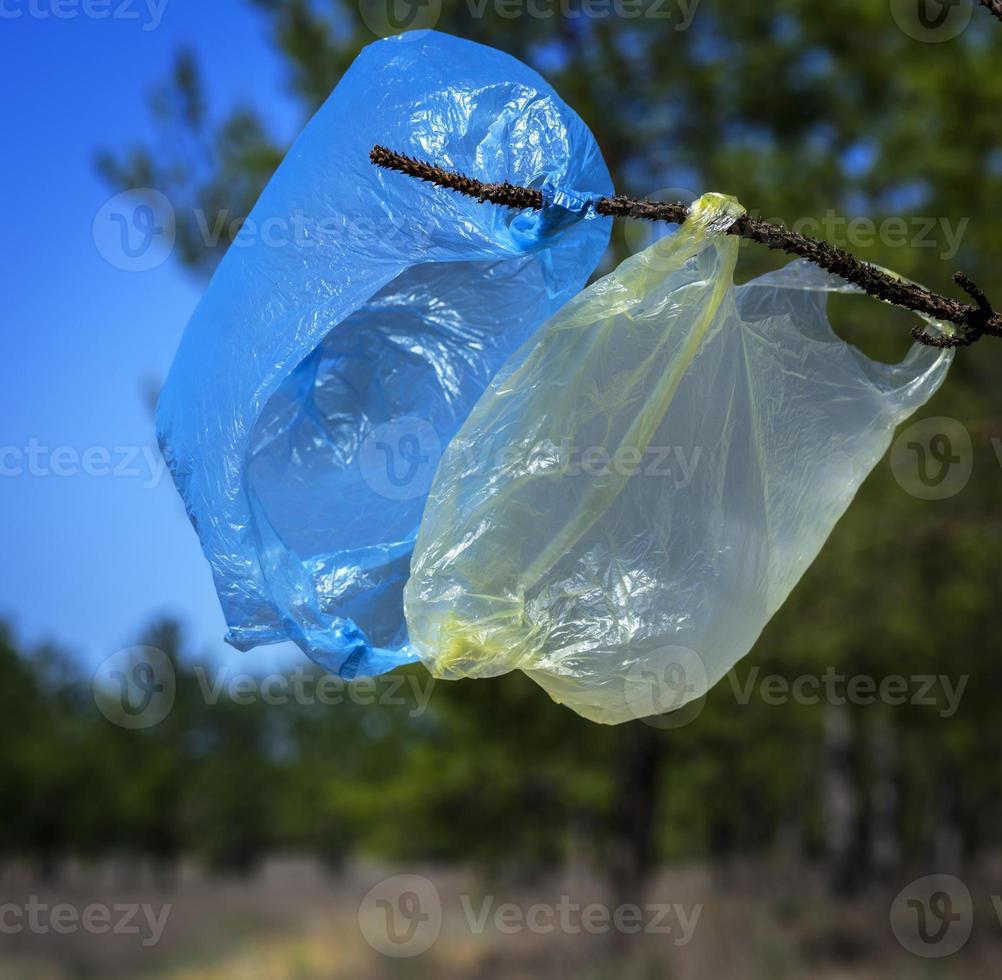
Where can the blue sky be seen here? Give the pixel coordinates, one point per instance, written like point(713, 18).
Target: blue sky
point(90, 557)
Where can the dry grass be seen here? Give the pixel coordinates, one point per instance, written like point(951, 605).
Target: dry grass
point(294, 922)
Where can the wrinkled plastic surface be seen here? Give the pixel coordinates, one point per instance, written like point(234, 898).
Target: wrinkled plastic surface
point(644, 482)
point(348, 332)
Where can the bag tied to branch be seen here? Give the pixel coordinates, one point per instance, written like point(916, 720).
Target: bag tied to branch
point(647, 478)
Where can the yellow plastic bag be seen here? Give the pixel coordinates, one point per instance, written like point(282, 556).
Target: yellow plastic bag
point(645, 481)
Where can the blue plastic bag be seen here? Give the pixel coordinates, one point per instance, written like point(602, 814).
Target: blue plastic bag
point(348, 332)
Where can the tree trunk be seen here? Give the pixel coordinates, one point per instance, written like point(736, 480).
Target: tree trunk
point(885, 849)
point(841, 802)
point(631, 831)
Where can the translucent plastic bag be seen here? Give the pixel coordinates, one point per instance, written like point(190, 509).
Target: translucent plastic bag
point(352, 326)
point(645, 481)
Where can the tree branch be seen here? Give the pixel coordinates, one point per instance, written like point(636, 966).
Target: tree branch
point(972, 320)
point(994, 6)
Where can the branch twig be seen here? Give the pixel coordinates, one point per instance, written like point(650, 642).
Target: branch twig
point(994, 6)
point(973, 320)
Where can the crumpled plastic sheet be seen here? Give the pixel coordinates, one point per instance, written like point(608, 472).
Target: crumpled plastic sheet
point(342, 342)
point(645, 481)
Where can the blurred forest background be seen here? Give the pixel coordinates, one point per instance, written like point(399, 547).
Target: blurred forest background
point(801, 110)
